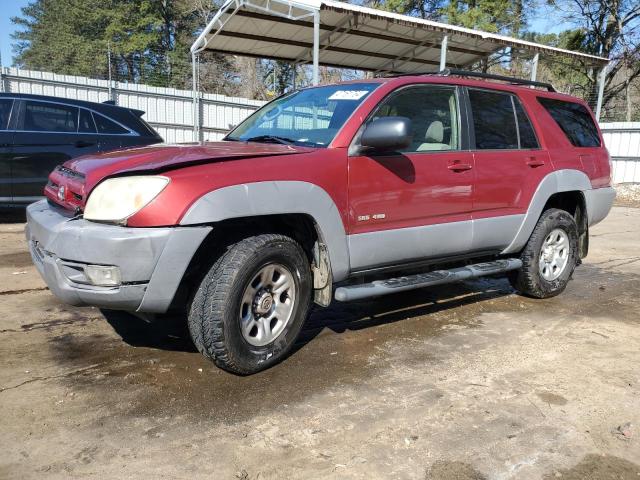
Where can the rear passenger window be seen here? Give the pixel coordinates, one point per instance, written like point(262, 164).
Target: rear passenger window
point(574, 120)
point(50, 117)
point(5, 111)
point(494, 121)
point(525, 129)
point(86, 122)
point(108, 127)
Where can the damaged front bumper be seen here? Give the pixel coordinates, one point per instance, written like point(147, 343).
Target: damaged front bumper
point(146, 264)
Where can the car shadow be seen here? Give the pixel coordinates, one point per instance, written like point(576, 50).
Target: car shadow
point(13, 215)
point(164, 332)
point(169, 332)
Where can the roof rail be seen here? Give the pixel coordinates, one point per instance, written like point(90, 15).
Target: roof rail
point(490, 76)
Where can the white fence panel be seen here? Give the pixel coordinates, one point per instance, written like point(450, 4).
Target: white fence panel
point(623, 142)
point(168, 110)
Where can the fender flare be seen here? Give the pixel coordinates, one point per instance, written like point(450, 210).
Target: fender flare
point(273, 198)
point(555, 182)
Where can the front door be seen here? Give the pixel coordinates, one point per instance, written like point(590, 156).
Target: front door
point(48, 134)
point(416, 203)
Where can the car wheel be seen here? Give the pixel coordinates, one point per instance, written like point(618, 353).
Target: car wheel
point(250, 307)
point(550, 256)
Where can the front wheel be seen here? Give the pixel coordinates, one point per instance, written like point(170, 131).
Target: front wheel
point(250, 307)
point(550, 256)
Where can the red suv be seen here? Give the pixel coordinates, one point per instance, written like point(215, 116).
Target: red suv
point(343, 191)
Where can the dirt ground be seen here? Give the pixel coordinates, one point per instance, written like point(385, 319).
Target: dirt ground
point(468, 381)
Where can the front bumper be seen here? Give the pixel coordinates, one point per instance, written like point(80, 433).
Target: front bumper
point(152, 261)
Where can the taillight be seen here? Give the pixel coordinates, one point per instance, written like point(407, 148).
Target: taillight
point(610, 167)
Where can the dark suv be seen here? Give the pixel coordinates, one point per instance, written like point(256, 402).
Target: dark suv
point(37, 133)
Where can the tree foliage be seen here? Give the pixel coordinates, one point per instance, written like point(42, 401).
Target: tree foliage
point(610, 29)
point(148, 41)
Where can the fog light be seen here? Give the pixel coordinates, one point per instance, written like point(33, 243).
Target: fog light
point(103, 276)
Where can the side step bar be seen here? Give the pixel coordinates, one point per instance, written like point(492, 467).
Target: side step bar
point(421, 280)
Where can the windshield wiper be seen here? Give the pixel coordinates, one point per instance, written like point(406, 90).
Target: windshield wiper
point(271, 138)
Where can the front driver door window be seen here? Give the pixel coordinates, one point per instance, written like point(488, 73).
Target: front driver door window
point(415, 203)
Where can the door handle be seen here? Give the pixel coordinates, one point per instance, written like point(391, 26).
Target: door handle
point(82, 144)
point(457, 166)
point(534, 162)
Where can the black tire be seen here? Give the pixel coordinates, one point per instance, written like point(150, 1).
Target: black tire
point(528, 280)
point(214, 315)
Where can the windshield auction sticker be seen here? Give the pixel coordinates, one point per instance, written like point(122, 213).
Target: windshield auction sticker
point(348, 95)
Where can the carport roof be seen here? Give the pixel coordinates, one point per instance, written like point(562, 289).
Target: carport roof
point(355, 37)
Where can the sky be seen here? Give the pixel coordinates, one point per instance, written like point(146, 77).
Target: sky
point(10, 8)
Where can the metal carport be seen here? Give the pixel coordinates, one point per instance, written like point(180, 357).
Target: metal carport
point(337, 34)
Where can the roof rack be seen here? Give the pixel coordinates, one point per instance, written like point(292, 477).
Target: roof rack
point(490, 76)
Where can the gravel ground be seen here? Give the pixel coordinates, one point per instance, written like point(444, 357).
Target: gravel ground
point(466, 381)
point(628, 194)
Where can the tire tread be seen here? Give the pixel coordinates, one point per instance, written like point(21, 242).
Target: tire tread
point(208, 306)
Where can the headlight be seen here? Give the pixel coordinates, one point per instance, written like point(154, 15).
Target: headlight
point(116, 199)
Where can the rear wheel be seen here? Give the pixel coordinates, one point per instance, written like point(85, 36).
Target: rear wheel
point(250, 307)
point(550, 256)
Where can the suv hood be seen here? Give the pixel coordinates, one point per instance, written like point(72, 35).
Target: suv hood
point(81, 174)
point(165, 157)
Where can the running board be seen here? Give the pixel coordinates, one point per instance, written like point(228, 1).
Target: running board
point(421, 280)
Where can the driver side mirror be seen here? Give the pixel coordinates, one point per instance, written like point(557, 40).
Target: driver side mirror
point(386, 134)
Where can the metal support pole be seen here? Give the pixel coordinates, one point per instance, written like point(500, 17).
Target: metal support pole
point(295, 74)
point(443, 52)
point(196, 116)
point(601, 81)
point(3, 88)
point(109, 69)
point(534, 67)
point(316, 47)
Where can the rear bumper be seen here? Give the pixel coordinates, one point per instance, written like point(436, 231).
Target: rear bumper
point(599, 202)
point(152, 261)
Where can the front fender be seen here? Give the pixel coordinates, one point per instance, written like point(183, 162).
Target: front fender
point(274, 198)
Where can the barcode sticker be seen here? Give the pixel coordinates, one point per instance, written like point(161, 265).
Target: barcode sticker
point(348, 95)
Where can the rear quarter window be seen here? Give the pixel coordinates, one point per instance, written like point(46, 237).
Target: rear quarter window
point(108, 127)
point(574, 120)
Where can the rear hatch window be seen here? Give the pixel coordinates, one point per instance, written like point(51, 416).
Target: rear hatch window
point(574, 120)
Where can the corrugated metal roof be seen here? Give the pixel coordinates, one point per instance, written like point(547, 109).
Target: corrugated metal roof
point(355, 37)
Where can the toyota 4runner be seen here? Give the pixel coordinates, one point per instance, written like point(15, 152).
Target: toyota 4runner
point(342, 191)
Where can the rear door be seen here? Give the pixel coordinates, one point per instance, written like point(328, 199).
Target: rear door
point(509, 165)
point(47, 134)
point(6, 141)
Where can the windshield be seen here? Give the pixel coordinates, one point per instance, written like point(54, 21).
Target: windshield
point(310, 117)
